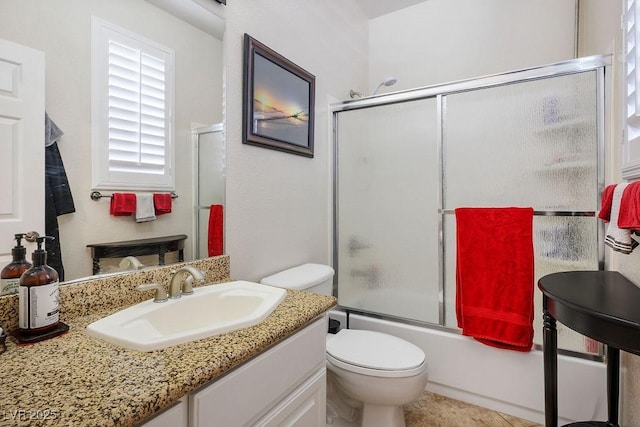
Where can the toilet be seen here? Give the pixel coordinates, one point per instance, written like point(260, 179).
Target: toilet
point(370, 375)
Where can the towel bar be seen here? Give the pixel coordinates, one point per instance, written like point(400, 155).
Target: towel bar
point(538, 213)
point(96, 195)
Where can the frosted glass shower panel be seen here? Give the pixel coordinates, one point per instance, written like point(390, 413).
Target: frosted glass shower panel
point(211, 160)
point(387, 204)
point(527, 144)
point(564, 244)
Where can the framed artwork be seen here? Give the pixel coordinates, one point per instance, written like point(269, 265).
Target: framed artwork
point(278, 105)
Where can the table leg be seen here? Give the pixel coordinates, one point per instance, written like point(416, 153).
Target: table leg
point(550, 353)
point(96, 265)
point(613, 384)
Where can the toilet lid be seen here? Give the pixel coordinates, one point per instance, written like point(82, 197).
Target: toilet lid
point(374, 350)
point(301, 277)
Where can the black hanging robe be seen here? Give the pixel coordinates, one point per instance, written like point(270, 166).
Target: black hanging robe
point(58, 199)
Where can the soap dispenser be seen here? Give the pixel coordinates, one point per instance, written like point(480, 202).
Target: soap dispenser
point(38, 295)
point(10, 275)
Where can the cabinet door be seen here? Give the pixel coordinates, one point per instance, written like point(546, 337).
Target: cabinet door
point(174, 416)
point(305, 407)
point(253, 389)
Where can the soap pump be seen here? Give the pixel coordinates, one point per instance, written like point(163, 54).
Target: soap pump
point(10, 275)
point(38, 295)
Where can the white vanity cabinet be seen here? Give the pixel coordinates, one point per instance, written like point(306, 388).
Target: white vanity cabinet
point(176, 415)
point(283, 386)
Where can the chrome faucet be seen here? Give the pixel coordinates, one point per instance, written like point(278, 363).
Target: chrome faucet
point(178, 287)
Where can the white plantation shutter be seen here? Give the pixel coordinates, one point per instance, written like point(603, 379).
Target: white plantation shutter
point(632, 75)
point(133, 104)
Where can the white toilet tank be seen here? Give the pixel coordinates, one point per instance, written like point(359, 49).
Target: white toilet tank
point(316, 278)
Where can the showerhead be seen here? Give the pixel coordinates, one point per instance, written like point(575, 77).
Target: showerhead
point(386, 82)
point(389, 81)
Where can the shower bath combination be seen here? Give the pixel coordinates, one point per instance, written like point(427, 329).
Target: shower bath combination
point(405, 161)
point(454, 139)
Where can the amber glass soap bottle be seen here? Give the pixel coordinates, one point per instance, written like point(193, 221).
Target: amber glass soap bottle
point(38, 295)
point(10, 275)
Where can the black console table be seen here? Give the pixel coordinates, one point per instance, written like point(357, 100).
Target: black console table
point(603, 305)
point(153, 246)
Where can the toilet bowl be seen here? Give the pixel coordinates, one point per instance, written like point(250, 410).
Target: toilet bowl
point(381, 371)
point(370, 375)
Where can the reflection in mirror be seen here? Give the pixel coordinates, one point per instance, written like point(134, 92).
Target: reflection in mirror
point(209, 185)
point(130, 263)
point(134, 250)
point(61, 29)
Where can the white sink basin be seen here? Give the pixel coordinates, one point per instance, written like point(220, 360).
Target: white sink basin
point(210, 310)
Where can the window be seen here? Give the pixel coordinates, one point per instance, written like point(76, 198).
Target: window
point(132, 101)
point(631, 148)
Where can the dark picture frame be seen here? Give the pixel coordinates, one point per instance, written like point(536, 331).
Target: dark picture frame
point(278, 103)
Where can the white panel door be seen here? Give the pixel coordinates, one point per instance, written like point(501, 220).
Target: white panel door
point(21, 143)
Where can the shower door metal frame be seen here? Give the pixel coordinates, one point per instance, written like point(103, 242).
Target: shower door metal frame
point(596, 63)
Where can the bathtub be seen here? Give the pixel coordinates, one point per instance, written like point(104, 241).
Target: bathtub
point(506, 381)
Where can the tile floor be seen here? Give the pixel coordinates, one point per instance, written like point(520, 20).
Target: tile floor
point(433, 410)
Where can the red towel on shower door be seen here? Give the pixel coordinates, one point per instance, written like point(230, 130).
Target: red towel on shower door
point(495, 276)
point(215, 241)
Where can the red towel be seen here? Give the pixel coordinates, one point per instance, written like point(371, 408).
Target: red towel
point(162, 203)
point(216, 231)
point(495, 276)
point(607, 199)
point(122, 204)
point(629, 214)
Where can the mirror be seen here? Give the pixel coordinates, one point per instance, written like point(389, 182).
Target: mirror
point(62, 30)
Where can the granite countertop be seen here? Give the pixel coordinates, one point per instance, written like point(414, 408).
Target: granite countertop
point(78, 380)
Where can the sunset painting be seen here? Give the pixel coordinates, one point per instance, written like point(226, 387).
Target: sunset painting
point(280, 103)
point(279, 99)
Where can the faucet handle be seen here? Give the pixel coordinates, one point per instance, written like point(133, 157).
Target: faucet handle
point(161, 293)
point(187, 286)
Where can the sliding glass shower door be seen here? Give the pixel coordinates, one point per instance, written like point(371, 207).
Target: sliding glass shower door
point(532, 143)
point(406, 161)
point(387, 197)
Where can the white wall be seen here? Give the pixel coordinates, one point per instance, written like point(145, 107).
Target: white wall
point(278, 205)
point(599, 26)
point(62, 29)
point(440, 41)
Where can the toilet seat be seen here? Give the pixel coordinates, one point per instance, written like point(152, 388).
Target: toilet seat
point(374, 354)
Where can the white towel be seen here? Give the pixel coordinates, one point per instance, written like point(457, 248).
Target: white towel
point(144, 208)
point(618, 239)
